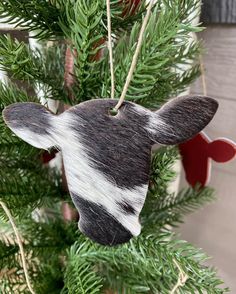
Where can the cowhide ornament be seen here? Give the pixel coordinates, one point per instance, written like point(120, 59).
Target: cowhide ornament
point(107, 158)
point(197, 154)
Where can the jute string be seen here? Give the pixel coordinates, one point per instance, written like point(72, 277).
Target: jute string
point(19, 242)
point(182, 275)
point(109, 44)
point(136, 53)
point(182, 279)
point(203, 76)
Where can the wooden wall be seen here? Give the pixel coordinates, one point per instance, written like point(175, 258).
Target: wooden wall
point(214, 227)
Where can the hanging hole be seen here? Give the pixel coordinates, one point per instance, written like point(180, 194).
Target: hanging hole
point(113, 112)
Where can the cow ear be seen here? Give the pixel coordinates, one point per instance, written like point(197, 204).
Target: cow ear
point(181, 119)
point(31, 122)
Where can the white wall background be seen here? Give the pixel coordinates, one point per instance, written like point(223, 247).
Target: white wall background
point(214, 227)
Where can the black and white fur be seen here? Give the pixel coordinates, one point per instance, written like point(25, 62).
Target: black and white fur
point(107, 158)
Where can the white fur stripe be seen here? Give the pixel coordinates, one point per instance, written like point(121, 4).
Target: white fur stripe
point(90, 183)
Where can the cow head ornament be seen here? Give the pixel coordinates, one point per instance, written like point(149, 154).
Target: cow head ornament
point(107, 158)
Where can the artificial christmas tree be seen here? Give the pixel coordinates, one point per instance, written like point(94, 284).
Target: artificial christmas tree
point(59, 258)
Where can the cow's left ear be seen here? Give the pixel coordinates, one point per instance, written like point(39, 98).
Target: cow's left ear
point(31, 122)
point(181, 119)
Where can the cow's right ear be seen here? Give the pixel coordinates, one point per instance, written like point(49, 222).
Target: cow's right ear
point(181, 119)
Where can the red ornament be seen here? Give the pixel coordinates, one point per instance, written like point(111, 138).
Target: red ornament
point(131, 7)
point(47, 157)
point(197, 154)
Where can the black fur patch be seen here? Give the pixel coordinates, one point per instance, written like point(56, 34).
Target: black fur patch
point(185, 117)
point(30, 116)
point(126, 207)
point(96, 223)
point(119, 145)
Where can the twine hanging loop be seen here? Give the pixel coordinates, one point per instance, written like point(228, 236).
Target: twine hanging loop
point(135, 57)
point(182, 279)
point(19, 242)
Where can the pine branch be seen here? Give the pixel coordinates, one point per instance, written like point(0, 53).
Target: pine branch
point(124, 14)
point(17, 59)
point(19, 187)
point(46, 276)
point(162, 208)
point(41, 16)
point(43, 244)
point(7, 255)
point(12, 276)
point(157, 74)
point(42, 240)
point(12, 149)
point(172, 209)
point(84, 33)
point(20, 166)
point(10, 93)
point(162, 173)
point(80, 277)
point(165, 51)
point(48, 18)
point(12, 281)
point(187, 200)
point(148, 260)
point(54, 234)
